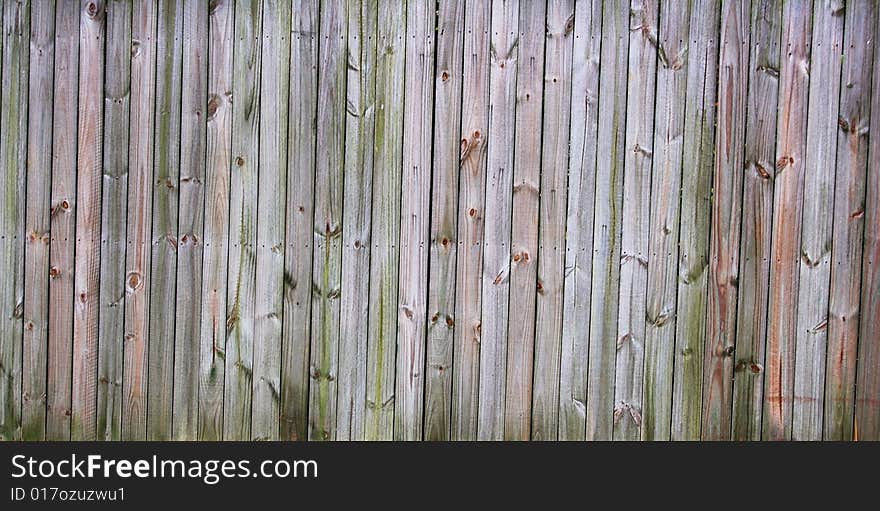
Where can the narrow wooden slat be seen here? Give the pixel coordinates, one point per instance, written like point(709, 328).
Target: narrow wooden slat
point(36, 249)
point(787, 203)
point(607, 221)
point(471, 218)
point(524, 222)
point(354, 302)
point(662, 257)
point(271, 211)
point(551, 241)
point(114, 204)
point(757, 218)
point(415, 215)
point(866, 423)
point(631, 324)
point(696, 195)
point(444, 217)
point(165, 237)
point(191, 223)
point(503, 61)
point(724, 240)
point(327, 266)
point(61, 222)
point(13, 151)
point(579, 220)
point(302, 108)
point(140, 199)
point(849, 220)
point(88, 222)
point(243, 220)
point(215, 241)
point(816, 230)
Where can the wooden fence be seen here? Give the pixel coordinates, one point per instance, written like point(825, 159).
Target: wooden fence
point(370, 219)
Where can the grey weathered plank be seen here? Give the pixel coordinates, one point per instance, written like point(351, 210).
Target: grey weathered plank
point(724, 241)
point(607, 221)
point(354, 301)
point(631, 325)
point(757, 217)
point(471, 218)
point(36, 247)
point(696, 192)
point(165, 237)
point(215, 240)
point(503, 60)
point(524, 223)
point(61, 222)
point(816, 230)
point(662, 256)
point(271, 213)
point(87, 264)
point(191, 223)
point(387, 161)
point(866, 423)
point(114, 204)
point(243, 220)
point(579, 220)
point(13, 151)
point(138, 231)
point(849, 220)
point(553, 203)
point(296, 326)
point(327, 266)
point(415, 215)
point(444, 214)
point(787, 203)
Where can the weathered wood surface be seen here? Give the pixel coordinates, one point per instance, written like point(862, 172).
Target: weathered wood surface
point(354, 219)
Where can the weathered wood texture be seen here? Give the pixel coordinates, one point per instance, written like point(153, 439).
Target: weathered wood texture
point(481, 219)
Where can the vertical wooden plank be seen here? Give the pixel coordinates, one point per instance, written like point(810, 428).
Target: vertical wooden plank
point(787, 202)
point(215, 241)
point(607, 220)
point(551, 247)
point(111, 314)
point(327, 267)
point(243, 220)
point(816, 231)
point(36, 249)
point(662, 256)
point(696, 193)
point(61, 222)
point(13, 151)
point(757, 211)
point(724, 240)
point(387, 160)
point(140, 198)
point(270, 224)
point(88, 221)
point(524, 222)
point(190, 246)
point(166, 177)
point(414, 220)
point(444, 216)
point(849, 220)
point(354, 302)
point(296, 326)
point(866, 423)
point(503, 60)
point(471, 218)
point(631, 327)
point(579, 220)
